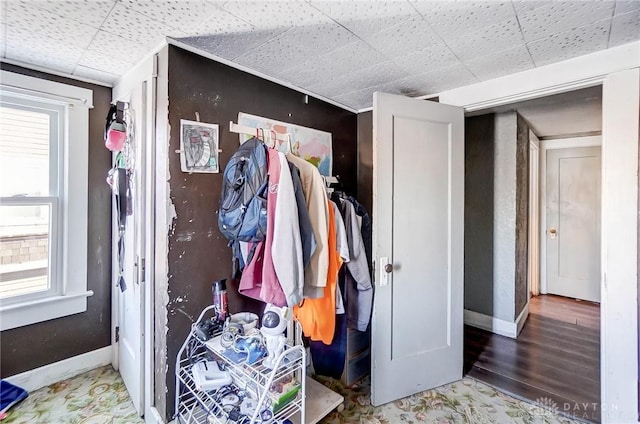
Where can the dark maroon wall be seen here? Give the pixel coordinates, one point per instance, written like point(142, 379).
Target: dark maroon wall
point(365, 159)
point(33, 346)
point(198, 253)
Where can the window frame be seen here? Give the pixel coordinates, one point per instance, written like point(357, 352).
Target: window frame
point(68, 207)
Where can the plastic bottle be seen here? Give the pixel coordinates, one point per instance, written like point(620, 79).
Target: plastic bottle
point(219, 289)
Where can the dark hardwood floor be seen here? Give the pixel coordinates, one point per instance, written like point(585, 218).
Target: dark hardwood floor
point(556, 357)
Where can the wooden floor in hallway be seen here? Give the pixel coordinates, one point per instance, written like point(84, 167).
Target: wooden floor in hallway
point(555, 360)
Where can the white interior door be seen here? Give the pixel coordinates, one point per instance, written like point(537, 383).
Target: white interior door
point(130, 300)
point(417, 324)
point(573, 222)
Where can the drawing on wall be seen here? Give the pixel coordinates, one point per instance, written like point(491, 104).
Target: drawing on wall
point(312, 145)
point(198, 147)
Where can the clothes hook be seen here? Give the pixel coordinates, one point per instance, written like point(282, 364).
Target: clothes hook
point(289, 143)
point(273, 134)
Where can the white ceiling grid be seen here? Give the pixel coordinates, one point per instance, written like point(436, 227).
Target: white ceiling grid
point(340, 49)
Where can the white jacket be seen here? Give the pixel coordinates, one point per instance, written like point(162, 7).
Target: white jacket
point(286, 248)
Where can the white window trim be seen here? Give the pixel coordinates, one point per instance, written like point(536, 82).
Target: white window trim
point(73, 296)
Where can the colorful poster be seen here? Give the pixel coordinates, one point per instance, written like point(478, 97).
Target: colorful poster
point(198, 147)
point(314, 146)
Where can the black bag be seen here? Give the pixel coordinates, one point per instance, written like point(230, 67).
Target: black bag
point(243, 204)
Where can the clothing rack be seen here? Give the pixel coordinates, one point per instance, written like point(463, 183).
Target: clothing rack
point(261, 132)
point(241, 129)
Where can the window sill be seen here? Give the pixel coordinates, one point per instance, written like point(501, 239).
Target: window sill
point(31, 312)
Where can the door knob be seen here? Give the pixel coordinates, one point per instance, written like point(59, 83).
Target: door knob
point(553, 232)
point(388, 268)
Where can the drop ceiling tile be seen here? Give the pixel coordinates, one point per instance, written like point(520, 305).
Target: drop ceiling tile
point(295, 46)
point(350, 58)
point(433, 82)
point(3, 11)
point(136, 27)
point(317, 39)
point(90, 12)
point(409, 87)
point(110, 44)
point(562, 16)
point(450, 18)
point(220, 22)
point(625, 6)
point(487, 40)
point(95, 74)
point(403, 38)
point(105, 63)
point(433, 57)
point(182, 15)
point(21, 14)
point(274, 56)
point(275, 14)
point(568, 44)
point(358, 99)
point(522, 6)
point(367, 77)
point(48, 60)
point(229, 45)
point(3, 39)
point(501, 63)
point(34, 45)
point(625, 28)
point(365, 18)
point(412, 86)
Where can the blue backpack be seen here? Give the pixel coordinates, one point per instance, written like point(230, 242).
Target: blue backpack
point(243, 204)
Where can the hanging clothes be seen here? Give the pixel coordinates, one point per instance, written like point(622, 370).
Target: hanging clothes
point(259, 279)
point(365, 227)
point(286, 245)
point(307, 238)
point(358, 269)
point(315, 276)
point(318, 316)
point(342, 244)
point(329, 359)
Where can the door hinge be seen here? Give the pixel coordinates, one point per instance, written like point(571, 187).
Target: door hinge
point(117, 334)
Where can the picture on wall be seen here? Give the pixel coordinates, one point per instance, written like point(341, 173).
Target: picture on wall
point(198, 147)
point(310, 144)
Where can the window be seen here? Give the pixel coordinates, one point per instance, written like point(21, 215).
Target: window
point(43, 199)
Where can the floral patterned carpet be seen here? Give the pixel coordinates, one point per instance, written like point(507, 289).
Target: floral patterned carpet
point(100, 397)
point(466, 401)
point(95, 397)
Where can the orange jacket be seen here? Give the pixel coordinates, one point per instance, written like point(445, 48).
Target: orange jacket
point(318, 316)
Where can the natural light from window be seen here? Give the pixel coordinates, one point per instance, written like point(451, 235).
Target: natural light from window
point(24, 229)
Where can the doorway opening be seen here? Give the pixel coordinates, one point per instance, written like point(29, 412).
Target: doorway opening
point(532, 250)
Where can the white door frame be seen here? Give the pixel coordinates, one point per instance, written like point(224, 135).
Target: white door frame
point(145, 71)
point(618, 70)
point(533, 275)
point(545, 145)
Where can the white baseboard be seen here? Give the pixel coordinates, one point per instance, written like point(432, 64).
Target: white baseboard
point(522, 318)
point(154, 417)
point(52, 373)
point(493, 324)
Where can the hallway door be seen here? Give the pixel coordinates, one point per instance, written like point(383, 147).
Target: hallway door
point(418, 216)
point(573, 222)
